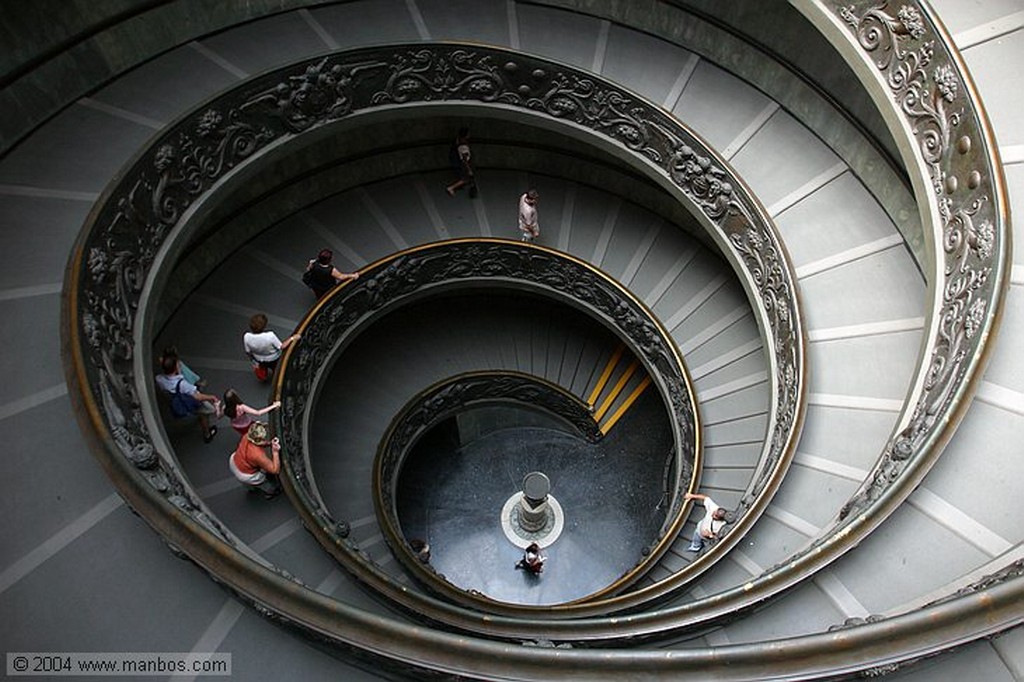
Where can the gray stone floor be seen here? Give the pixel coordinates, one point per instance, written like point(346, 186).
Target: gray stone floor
point(81, 573)
point(611, 494)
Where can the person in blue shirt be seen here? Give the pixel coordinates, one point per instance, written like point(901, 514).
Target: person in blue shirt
point(186, 398)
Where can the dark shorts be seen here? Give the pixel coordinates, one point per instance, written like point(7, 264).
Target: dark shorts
point(462, 172)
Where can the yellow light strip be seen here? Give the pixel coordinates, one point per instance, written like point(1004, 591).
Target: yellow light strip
point(625, 406)
point(614, 393)
point(605, 375)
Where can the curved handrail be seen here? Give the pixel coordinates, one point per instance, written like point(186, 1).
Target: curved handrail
point(443, 400)
point(999, 231)
point(913, 68)
point(410, 275)
point(965, 374)
point(918, 79)
point(150, 205)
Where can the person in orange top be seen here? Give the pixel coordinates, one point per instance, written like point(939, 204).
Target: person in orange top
point(251, 465)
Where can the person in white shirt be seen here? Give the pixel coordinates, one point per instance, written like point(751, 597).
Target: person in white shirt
point(528, 225)
point(263, 346)
point(708, 527)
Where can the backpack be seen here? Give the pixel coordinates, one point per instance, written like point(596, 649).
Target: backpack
point(182, 404)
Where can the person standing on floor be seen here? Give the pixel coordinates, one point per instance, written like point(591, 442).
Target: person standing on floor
point(263, 347)
point(421, 549)
point(321, 276)
point(460, 159)
point(186, 399)
point(528, 225)
point(250, 463)
point(533, 560)
point(240, 414)
point(708, 527)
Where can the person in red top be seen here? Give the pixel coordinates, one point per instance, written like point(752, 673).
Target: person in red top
point(252, 466)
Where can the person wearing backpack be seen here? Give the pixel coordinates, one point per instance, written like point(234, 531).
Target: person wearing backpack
point(186, 399)
point(187, 372)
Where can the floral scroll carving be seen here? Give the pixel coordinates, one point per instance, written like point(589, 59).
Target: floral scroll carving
point(925, 84)
point(499, 263)
point(142, 222)
point(479, 260)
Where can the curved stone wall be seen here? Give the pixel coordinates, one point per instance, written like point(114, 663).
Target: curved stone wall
point(965, 233)
point(149, 214)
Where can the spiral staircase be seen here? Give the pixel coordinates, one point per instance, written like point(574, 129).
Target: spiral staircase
point(877, 531)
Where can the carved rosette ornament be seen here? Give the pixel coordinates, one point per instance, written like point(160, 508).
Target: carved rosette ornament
point(925, 84)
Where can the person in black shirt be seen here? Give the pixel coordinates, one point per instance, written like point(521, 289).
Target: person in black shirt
point(460, 159)
point(321, 276)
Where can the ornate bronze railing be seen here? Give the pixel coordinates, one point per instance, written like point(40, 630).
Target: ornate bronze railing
point(144, 220)
point(914, 74)
point(146, 474)
point(426, 270)
point(141, 224)
point(113, 402)
point(911, 69)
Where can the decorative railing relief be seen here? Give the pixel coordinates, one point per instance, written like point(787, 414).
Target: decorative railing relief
point(141, 224)
point(925, 84)
point(442, 266)
point(127, 234)
point(124, 236)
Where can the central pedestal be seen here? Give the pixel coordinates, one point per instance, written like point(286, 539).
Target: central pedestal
point(533, 505)
point(533, 515)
